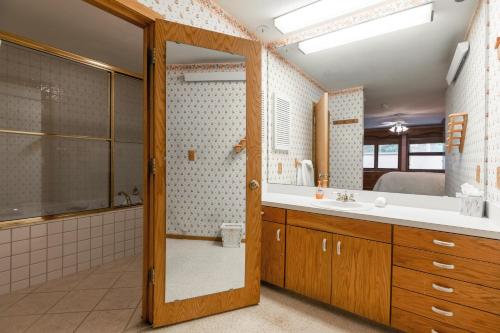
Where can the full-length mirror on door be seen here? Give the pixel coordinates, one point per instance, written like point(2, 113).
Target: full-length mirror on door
point(206, 193)
point(206, 118)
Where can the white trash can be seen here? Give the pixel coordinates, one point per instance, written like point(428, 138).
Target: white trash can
point(232, 234)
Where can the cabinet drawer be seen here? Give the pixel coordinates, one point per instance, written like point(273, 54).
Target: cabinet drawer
point(473, 295)
point(273, 214)
point(411, 323)
point(449, 313)
point(478, 272)
point(444, 242)
point(341, 225)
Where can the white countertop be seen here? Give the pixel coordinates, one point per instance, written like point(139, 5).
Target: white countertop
point(434, 219)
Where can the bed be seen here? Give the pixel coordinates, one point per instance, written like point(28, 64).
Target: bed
point(425, 183)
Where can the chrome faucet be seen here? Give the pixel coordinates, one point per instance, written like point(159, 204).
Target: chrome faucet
point(127, 197)
point(345, 197)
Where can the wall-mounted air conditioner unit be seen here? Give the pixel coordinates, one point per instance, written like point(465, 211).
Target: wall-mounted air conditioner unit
point(457, 62)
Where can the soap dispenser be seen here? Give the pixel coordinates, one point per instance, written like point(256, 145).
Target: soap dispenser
point(320, 192)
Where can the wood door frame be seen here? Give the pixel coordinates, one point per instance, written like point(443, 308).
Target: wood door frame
point(179, 311)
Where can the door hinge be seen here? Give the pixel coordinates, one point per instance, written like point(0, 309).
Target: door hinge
point(152, 166)
point(152, 56)
point(151, 275)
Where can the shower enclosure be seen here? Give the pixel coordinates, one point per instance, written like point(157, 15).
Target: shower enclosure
point(70, 132)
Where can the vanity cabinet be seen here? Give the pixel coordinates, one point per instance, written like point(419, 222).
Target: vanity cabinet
point(361, 277)
point(309, 262)
point(415, 280)
point(450, 282)
point(273, 240)
point(273, 253)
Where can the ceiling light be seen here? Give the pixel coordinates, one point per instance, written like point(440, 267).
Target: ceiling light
point(398, 128)
point(398, 21)
point(318, 12)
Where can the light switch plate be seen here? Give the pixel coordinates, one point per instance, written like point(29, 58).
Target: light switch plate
point(498, 178)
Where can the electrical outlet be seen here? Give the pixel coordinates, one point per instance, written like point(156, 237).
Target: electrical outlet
point(191, 154)
point(478, 174)
point(280, 168)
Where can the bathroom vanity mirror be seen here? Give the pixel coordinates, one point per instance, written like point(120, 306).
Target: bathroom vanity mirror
point(206, 166)
point(380, 110)
point(206, 120)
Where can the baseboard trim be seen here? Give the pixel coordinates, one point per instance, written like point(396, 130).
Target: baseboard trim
point(191, 237)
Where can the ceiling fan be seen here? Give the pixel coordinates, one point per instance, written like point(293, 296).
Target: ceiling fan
point(397, 127)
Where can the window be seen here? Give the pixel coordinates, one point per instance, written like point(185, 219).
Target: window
point(381, 156)
point(388, 156)
point(426, 156)
point(369, 156)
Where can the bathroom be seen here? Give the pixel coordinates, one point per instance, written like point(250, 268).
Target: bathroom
point(275, 166)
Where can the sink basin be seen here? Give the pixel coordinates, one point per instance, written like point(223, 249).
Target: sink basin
point(340, 205)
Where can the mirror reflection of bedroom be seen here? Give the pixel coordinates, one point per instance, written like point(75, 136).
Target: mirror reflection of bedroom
point(404, 122)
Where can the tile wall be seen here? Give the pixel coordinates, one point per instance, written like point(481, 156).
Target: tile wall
point(30, 255)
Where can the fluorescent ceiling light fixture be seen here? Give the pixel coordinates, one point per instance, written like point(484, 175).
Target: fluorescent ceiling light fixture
point(394, 22)
point(319, 11)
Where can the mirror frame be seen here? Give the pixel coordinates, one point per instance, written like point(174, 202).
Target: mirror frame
point(179, 311)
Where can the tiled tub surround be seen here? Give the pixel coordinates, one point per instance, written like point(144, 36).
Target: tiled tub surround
point(33, 254)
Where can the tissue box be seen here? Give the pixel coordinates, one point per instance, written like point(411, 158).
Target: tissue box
point(472, 205)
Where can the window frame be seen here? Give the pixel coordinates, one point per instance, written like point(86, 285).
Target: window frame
point(424, 141)
point(383, 142)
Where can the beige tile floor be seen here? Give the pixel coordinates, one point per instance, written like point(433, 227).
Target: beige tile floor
point(107, 300)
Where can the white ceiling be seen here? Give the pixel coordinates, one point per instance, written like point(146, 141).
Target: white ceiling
point(75, 26)
point(405, 70)
point(187, 54)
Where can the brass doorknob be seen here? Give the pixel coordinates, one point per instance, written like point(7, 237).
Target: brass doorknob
point(254, 184)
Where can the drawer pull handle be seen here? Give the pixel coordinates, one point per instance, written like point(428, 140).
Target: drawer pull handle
point(441, 243)
point(441, 288)
point(278, 232)
point(324, 244)
point(339, 243)
point(434, 331)
point(442, 312)
point(443, 266)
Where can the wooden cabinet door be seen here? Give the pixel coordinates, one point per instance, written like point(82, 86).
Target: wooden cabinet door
point(309, 263)
point(273, 253)
point(361, 277)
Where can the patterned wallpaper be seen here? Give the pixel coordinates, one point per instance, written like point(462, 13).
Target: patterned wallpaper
point(346, 141)
point(302, 94)
point(467, 94)
point(195, 13)
point(493, 104)
point(209, 117)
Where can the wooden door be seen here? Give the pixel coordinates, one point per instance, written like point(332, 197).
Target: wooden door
point(273, 253)
point(321, 140)
point(361, 277)
point(309, 263)
point(163, 312)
